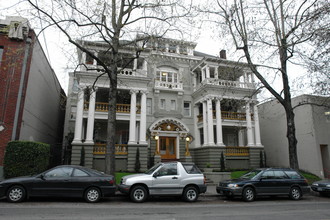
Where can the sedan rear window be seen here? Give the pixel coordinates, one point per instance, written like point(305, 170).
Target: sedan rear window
point(191, 169)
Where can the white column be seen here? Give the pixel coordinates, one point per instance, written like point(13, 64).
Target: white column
point(197, 134)
point(203, 73)
point(79, 117)
point(135, 64)
point(256, 126)
point(205, 123)
point(132, 121)
point(210, 122)
point(91, 116)
point(219, 123)
point(249, 125)
point(207, 72)
point(241, 137)
point(143, 117)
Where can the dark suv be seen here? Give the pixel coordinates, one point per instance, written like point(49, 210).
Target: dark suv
point(270, 181)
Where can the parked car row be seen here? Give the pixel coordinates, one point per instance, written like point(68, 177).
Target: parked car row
point(163, 179)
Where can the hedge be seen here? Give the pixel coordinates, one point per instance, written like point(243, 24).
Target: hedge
point(25, 158)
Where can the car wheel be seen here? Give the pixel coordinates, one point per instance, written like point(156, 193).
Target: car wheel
point(16, 194)
point(295, 193)
point(190, 194)
point(138, 194)
point(248, 194)
point(92, 195)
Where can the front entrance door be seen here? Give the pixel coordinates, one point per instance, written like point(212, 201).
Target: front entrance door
point(167, 146)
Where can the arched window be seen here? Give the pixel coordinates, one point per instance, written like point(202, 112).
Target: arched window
point(167, 74)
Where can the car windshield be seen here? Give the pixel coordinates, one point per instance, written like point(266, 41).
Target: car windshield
point(250, 175)
point(152, 169)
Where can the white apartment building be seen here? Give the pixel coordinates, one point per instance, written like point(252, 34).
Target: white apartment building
point(173, 103)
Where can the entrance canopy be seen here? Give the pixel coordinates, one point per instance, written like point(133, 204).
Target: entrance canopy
point(169, 125)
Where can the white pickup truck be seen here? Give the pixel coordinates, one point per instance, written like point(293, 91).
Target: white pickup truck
point(167, 179)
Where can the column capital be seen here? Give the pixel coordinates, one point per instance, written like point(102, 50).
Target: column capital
point(144, 92)
point(133, 91)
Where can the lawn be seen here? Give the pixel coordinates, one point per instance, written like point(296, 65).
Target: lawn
point(120, 175)
point(310, 177)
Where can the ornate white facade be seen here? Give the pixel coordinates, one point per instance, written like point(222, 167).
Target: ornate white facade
point(173, 103)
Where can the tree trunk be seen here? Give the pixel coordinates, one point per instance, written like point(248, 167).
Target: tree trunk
point(291, 128)
point(110, 157)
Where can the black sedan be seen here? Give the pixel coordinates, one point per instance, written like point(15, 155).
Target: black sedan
point(322, 186)
point(270, 182)
point(61, 181)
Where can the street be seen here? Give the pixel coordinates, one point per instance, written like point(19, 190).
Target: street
point(207, 207)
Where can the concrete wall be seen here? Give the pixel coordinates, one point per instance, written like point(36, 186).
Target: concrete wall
point(42, 113)
point(312, 130)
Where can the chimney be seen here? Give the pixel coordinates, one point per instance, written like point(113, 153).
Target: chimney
point(223, 54)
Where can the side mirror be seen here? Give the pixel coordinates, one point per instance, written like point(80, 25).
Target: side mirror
point(42, 176)
point(155, 174)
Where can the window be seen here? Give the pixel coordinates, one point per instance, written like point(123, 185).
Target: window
point(191, 169)
point(149, 106)
point(79, 173)
point(89, 59)
point(173, 105)
point(186, 109)
point(168, 170)
point(293, 174)
point(162, 103)
point(59, 172)
point(268, 175)
point(167, 76)
point(1, 53)
point(279, 174)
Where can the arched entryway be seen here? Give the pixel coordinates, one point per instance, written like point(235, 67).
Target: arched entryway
point(169, 135)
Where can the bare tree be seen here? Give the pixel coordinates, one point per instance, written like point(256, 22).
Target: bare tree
point(111, 22)
point(268, 33)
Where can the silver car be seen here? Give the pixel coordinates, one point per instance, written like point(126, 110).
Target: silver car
point(171, 178)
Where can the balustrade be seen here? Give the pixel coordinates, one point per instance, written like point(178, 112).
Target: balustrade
point(100, 149)
point(120, 108)
point(228, 115)
point(237, 151)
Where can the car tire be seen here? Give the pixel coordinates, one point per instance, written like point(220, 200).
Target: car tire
point(16, 194)
point(92, 195)
point(138, 194)
point(248, 194)
point(295, 193)
point(190, 194)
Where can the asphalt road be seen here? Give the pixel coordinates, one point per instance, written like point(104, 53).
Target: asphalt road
point(209, 206)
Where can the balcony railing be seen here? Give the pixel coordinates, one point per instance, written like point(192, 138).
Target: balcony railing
point(237, 151)
point(100, 149)
point(228, 83)
point(229, 116)
point(120, 108)
point(168, 85)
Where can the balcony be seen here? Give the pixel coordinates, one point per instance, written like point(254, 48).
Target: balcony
point(227, 83)
point(100, 149)
point(229, 116)
point(120, 108)
point(168, 85)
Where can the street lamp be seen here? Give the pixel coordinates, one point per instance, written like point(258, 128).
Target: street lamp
point(157, 148)
point(187, 146)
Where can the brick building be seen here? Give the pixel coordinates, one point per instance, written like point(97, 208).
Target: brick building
point(31, 97)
